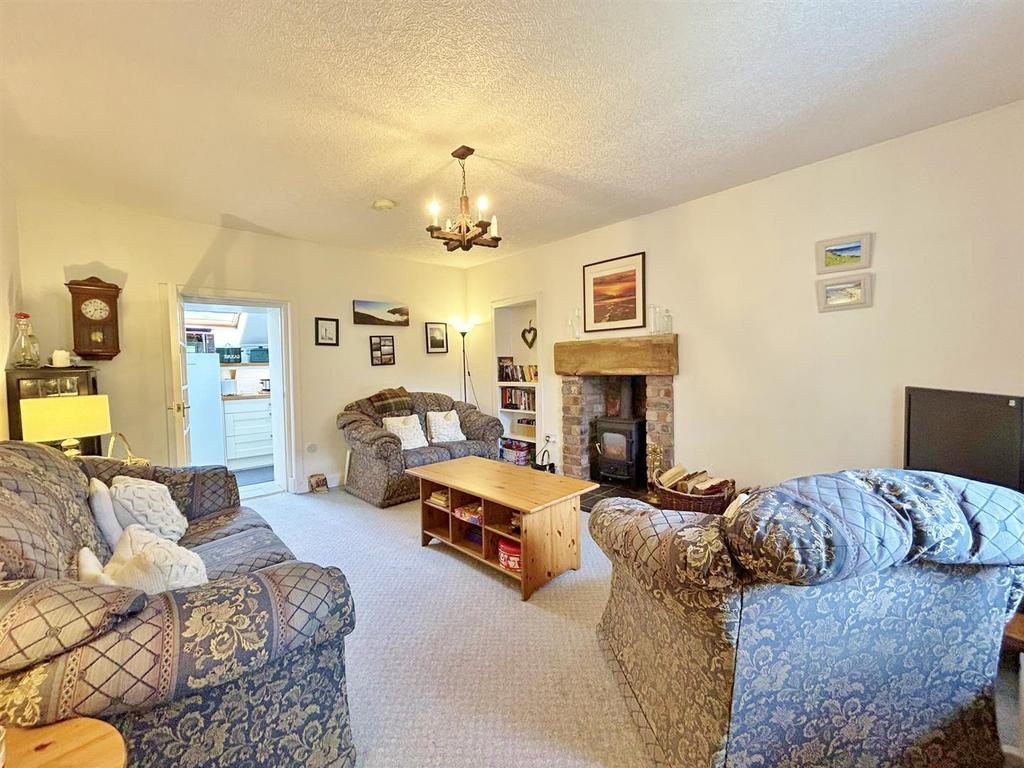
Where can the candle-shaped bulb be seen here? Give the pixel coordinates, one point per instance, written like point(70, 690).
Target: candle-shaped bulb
point(447, 225)
point(481, 205)
point(434, 209)
point(494, 226)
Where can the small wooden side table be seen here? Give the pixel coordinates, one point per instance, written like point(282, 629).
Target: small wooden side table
point(74, 743)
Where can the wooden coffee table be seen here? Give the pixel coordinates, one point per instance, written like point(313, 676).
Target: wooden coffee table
point(549, 506)
point(81, 742)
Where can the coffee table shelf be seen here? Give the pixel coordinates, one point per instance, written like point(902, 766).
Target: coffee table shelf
point(548, 506)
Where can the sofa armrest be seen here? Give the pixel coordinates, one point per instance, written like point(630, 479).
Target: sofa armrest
point(666, 551)
point(364, 436)
point(184, 641)
point(198, 491)
point(477, 425)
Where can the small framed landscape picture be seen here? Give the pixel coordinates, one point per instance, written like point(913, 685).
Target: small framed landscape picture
point(437, 338)
point(382, 350)
point(852, 292)
point(326, 331)
point(613, 294)
point(843, 254)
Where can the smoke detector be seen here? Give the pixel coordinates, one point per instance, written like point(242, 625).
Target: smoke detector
point(383, 204)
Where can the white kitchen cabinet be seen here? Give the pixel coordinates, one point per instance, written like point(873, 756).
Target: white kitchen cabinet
point(248, 433)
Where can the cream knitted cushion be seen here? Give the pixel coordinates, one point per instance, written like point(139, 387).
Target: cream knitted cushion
point(148, 504)
point(444, 427)
point(143, 560)
point(102, 506)
point(408, 430)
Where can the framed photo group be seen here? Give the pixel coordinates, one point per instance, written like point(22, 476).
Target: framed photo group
point(382, 348)
point(844, 254)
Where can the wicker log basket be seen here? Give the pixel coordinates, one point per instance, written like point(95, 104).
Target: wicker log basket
point(716, 504)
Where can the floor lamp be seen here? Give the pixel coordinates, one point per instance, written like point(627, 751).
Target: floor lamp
point(463, 330)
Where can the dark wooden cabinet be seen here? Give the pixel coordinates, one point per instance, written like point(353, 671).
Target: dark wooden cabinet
point(25, 383)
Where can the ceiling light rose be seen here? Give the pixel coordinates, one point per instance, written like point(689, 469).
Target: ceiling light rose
point(464, 233)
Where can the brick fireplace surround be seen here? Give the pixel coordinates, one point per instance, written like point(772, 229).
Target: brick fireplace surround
point(589, 370)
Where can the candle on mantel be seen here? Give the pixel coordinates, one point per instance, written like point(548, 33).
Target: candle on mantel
point(434, 210)
point(481, 208)
point(493, 232)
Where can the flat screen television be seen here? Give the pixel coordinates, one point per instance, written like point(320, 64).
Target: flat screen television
point(972, 435)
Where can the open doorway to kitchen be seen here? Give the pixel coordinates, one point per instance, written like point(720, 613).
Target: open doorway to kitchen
point(235, 390)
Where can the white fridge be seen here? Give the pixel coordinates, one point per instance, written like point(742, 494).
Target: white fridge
point(206, 412)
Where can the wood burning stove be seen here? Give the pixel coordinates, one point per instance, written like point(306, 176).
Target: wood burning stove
point(619, 451)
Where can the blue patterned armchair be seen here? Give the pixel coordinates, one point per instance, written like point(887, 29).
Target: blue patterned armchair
point(851, 619)
point(247, 670)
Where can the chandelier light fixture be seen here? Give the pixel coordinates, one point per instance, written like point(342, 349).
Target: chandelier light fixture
point(464, 233)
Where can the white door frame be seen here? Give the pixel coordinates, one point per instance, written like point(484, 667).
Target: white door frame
point(289, 368)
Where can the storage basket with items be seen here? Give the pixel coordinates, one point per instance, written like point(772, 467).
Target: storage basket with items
point(686, 491)
point(515, 452)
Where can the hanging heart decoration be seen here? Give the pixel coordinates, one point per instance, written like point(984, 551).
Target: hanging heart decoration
point(529, 336)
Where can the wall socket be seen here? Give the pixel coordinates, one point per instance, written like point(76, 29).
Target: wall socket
point(550, 438)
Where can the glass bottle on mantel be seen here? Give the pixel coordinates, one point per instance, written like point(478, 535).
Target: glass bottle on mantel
point(25, 352)
point(653, 319)
point(666, 320)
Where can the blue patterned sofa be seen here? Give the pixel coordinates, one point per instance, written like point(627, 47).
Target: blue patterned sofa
point(851, 619)
point(377, 464)
point(247, 670)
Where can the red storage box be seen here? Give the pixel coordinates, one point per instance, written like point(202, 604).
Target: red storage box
point(510, 555)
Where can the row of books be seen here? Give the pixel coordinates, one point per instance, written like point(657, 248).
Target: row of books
point(518, 399)
point(509, 371)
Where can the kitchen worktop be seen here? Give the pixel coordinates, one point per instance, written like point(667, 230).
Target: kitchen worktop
point(257, 396)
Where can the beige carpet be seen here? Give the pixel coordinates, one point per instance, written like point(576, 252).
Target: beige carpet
point(447, 667)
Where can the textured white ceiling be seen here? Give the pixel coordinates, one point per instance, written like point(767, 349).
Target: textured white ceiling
point(291, 117)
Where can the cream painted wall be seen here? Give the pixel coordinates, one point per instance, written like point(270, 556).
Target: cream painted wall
point(62, 239)
point(10, 285)
point(768, 387)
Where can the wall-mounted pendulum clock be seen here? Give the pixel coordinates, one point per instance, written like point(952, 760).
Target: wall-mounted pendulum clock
point(94, 318)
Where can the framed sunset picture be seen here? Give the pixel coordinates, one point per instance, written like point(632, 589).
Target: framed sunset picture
point(613, 294)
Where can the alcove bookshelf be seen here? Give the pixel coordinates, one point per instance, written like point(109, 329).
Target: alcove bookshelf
point(518, 369)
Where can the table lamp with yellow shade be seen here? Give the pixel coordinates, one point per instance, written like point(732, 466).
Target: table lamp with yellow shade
point(49, 419)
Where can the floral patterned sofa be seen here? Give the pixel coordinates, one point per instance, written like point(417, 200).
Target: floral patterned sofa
point(377, 464)
point(247, 670)
point(851, 619)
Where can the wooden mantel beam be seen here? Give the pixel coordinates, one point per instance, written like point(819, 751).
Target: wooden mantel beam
point(631, 356)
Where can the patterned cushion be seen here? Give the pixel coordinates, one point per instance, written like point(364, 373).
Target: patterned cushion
point(43, 618)
point(480, 448)
point(30, 547)
point(443, 427)
point(149, 504)
point(226, 523)
point(54, 462)
point(431, 454)
point(62, 505)
point(242, 553)
point(391, 402)
point(820, 528)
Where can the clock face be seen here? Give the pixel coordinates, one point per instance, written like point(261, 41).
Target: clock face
point(96, 309)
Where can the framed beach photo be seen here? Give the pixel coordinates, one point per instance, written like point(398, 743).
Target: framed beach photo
point(843, 254)
point(437, 338)
point(613, 294)
point(326, 331)
point(852, 292)
point(382, 350)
